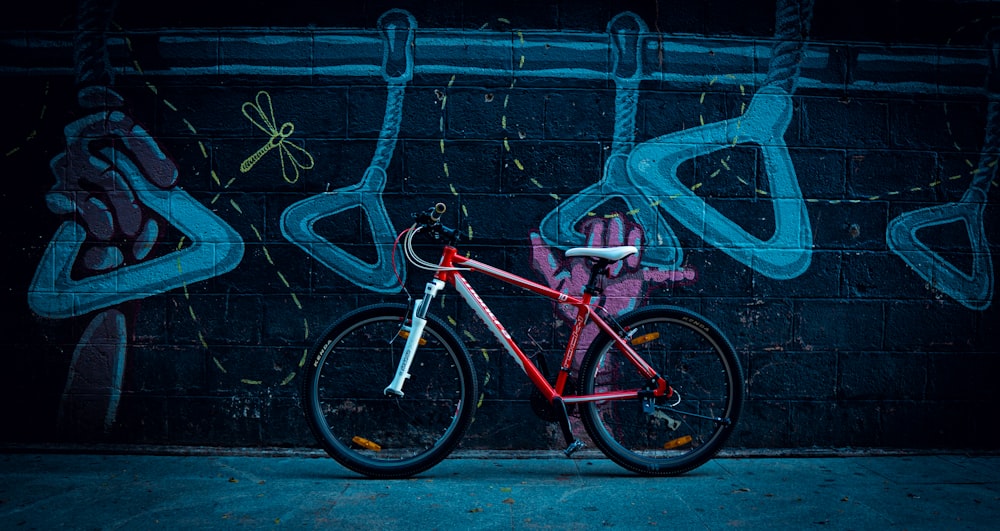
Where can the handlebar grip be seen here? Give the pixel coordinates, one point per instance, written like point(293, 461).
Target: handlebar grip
point(437, 211)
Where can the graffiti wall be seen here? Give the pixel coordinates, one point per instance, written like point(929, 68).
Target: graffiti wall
point(194, 195)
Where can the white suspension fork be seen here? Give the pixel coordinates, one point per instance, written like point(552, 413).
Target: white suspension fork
point(414, 332)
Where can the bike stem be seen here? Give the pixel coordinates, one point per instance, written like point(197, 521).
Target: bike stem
point(416, 330)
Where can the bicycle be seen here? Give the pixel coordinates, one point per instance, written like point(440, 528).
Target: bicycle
point(390, 389)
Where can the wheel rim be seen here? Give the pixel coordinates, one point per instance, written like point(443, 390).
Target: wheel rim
point(693, 362)
point(376, 431)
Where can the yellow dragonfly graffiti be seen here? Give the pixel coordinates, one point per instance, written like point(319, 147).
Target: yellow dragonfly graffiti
point(260, 112)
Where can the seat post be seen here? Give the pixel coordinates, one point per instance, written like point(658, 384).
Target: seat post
point(595, 285)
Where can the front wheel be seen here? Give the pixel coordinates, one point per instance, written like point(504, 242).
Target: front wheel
point(671, 435)
point(387, 436)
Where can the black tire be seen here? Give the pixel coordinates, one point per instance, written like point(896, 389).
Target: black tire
point(373, 434)
point(699, 364)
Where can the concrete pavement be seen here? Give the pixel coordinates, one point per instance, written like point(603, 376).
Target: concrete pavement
point(305, 490)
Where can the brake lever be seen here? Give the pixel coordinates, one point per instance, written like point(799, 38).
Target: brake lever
point(435, 229)
point(431, 220)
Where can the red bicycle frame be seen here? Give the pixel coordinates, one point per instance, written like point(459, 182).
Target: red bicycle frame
point(449, 272)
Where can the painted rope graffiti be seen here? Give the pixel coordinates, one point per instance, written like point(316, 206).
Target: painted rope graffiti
point(118, 191)
point(559, 227)
point(297, 221)
point(974, 289)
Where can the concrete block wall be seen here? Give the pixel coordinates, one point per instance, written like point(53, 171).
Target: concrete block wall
point(832, 206)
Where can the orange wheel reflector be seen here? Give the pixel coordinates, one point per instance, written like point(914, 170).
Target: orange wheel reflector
point(406, 335)
point(677, 443)
point(368, 445)
point(645, 338)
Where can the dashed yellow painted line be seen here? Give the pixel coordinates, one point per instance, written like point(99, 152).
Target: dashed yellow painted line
point(287, 378)
point(33, 131)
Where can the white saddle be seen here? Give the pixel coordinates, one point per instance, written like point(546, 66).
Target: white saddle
point(606, 253)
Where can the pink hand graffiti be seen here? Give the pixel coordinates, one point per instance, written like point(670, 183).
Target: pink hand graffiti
point(628, 284)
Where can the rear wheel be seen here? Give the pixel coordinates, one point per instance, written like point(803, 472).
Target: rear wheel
point(387, 436)
point(684, 431)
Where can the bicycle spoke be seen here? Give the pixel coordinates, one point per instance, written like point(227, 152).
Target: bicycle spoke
point(379, 435)
point(664, 439)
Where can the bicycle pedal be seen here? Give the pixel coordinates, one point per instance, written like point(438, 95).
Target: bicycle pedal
point(573, 446)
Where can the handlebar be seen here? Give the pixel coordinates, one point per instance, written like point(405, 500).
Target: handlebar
point(430, 221)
